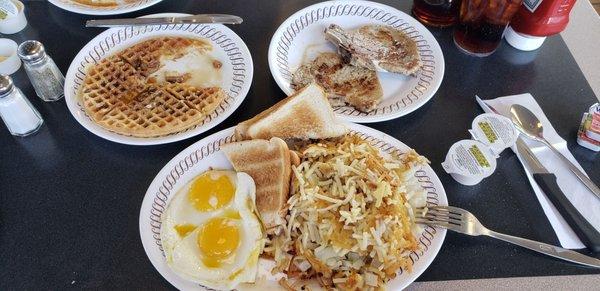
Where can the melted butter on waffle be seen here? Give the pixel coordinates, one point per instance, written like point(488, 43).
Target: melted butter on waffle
point(203, 69)
point(137, 92)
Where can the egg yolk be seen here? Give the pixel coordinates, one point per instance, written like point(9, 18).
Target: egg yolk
point(184, 229)
point(209, 193)
point(218, 240)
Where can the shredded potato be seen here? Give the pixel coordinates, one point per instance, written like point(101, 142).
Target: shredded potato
point(349, 223)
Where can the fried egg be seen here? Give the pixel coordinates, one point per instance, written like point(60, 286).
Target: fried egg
point(210, 231)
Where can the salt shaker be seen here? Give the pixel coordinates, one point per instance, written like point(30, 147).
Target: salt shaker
point(46, 78)
point(18, 114)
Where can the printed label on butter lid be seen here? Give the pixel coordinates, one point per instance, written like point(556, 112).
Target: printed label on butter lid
point(470, 158)
point(495, 131)
point(8, 9)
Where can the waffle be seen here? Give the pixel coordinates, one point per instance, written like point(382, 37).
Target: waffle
point(104, 3)
point(119, 96)
point(98, 3)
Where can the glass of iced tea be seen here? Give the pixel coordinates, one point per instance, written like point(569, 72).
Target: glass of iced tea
point(438, 13)
point(481, 25)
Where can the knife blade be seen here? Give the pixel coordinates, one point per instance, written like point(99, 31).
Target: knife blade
point(199, 18)
point(589, 236)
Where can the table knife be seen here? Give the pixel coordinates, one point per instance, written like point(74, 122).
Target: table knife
point(200, 18)
point(589, 236)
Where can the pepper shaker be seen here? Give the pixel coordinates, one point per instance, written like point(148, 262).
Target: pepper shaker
point(20, 117)
point(46, 78)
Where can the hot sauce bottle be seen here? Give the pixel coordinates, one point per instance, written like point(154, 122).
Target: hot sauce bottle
point(537, 19)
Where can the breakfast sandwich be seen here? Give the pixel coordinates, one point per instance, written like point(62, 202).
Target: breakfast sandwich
point(268, 162)
point(377, 47)
point(304, 115)
point(343, 82)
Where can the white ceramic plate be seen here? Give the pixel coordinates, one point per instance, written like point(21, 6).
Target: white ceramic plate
point(205, 153)
point(228, 47)
point(301, 38)
point(122, 7)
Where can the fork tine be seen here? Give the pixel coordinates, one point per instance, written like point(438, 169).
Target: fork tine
point(444, 213)
point(451, 220)
point(436, 213)
point(437, 224)
point(450, 209)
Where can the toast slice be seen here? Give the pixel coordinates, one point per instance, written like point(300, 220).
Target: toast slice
point(304, 115)
point(344, 83)
point(268, 163)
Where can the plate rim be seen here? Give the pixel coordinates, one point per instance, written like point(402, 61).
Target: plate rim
point(368, 118)
point(141, 141)
point(433, 249)
point(90, 11)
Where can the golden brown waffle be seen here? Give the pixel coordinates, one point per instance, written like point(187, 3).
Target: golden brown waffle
point(118, 95)
point(98, 3)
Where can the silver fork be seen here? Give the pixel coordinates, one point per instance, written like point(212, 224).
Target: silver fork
point(460, 220)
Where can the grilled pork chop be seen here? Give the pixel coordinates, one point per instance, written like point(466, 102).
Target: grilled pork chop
point(343, 83)
point(377, 47)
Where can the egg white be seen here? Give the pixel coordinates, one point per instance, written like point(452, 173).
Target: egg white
point(183, 255)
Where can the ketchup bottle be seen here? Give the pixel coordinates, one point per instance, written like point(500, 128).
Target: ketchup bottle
point(537, 19)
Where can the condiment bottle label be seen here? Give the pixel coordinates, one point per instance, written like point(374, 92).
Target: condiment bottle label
point(8, 9)
point(592, 129)
point(495, 131)
point(469, 161)
point(532, 5)
point(583, 138)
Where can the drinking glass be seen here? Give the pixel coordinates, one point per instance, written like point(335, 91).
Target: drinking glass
point(481, 25)
point(438, 13)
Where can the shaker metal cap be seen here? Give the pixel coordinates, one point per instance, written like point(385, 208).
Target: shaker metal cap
point(6, 85)
point(31, 50)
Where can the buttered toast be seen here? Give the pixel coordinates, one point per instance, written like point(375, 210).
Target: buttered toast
point(304, 115)
point(268, 163)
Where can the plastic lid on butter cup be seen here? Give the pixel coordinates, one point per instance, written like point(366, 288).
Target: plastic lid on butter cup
point(495, 131)
point(469, 161)
point(8, 9)
point(13, 24)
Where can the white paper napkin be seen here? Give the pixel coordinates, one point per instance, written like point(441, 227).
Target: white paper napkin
point(582, 198)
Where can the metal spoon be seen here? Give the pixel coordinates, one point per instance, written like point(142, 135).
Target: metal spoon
point(528, 124)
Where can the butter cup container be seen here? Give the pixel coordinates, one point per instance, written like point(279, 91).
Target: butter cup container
point(469, 161)
point(14, 23)
point(495, 131)
point(9, 60)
